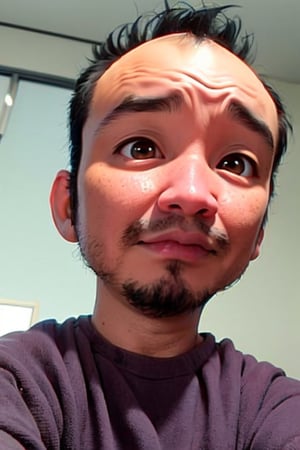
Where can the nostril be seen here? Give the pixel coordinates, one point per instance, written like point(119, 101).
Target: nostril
point(182, 200)
point(203, 211)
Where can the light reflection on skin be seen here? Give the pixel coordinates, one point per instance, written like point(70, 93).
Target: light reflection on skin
point(147, 185)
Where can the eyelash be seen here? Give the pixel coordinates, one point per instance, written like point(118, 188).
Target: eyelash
point(248, 164)
point(122, 148)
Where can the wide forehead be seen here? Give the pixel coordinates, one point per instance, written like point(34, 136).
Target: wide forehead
point(180, 61)
point(204, 57)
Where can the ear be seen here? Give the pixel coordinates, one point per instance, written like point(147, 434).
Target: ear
point(61, 208)
point(257, 247)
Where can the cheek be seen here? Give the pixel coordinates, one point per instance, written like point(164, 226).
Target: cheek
point(244, 212)
point(242, 217)
point(114, 195)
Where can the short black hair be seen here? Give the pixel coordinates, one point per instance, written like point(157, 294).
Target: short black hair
point(206, 23)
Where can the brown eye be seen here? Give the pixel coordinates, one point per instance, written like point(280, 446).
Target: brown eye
point(139, 149)
point(238, 164)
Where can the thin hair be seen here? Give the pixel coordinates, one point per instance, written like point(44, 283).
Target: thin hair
point(205, 23)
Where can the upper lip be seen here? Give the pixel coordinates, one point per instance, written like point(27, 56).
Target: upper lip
point(183, 238)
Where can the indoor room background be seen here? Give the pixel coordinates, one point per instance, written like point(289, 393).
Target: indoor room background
point(261, 313)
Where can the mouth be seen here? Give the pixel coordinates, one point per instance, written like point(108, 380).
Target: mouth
point(189, 248)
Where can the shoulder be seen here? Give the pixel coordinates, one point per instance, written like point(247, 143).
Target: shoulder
point(269, 401)
point(44, 342)
point(255, 379)
point(44, 359)
point(41, 376)
point(227, 357)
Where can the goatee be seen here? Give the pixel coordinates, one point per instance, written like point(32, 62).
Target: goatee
point(167, 297)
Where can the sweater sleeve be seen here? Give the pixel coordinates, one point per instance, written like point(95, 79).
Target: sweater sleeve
point(271, 407)
point(30, 412)
point(268, 413)
point(278, 424)
point(18, 426)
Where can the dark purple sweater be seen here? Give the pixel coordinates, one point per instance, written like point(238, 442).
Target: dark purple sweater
point(65, 387)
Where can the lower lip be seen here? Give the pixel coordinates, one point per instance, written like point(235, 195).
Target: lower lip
point(175, 250)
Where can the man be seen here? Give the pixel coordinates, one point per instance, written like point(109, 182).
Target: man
point(175, 142)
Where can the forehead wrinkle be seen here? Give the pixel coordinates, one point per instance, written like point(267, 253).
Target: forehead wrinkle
point(218, 83)
point(145, 77)
point(204, 60)
point(140, 77)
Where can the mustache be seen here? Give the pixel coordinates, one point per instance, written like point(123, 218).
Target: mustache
point(133, 232)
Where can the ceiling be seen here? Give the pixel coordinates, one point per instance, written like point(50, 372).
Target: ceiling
point(275, 24)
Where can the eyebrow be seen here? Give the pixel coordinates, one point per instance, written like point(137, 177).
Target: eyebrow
point(132, 104)
point(243, 115)
point(172, 103)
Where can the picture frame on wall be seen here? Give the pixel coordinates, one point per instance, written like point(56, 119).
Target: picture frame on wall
point(16, 315)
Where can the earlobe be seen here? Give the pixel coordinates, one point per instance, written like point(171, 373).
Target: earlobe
point(61, 208)
point(257, 247)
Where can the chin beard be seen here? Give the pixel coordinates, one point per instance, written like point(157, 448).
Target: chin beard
point(167, 297)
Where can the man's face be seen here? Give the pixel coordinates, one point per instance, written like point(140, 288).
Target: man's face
point(176, 163)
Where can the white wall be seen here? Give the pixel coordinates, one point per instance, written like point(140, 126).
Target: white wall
point(36, 264)
point(41, 53)
point(261, 313)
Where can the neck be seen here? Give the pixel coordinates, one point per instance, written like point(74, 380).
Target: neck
point(128, 328)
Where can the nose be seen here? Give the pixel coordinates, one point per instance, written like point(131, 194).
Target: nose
point(190, 189)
